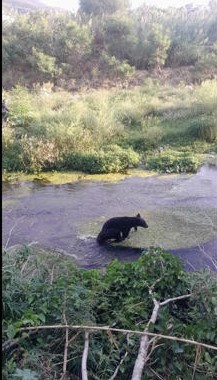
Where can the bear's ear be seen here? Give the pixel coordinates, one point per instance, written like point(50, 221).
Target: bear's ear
point(138, 215)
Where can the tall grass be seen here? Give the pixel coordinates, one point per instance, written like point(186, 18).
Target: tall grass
point(55, 130)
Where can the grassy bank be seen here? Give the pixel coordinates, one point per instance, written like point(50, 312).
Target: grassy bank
point(162, 128)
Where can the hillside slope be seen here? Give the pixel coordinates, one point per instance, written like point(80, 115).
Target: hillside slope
point(23, 6)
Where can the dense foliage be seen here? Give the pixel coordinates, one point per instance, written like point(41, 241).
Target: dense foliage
point(106, 39)
point(42, 288)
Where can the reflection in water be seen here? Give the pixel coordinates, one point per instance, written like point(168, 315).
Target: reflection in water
point(181, 212)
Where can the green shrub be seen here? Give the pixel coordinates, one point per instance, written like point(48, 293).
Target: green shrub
point(110, 160)
point(38, 154)
point(173, 162)
point(11, 150)
point(207, 130)
point(130, 115)
point(204, 128)
point(22, 109)
point(206, 94)
point(121, 68)
point(145, 138)
point(143, 142)
point(44, 63)
point(207, 61)
point(45, 288)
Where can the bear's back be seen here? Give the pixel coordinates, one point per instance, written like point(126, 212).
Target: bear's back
point(118, 222)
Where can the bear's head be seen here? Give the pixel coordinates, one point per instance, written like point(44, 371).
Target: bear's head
point(141, 221)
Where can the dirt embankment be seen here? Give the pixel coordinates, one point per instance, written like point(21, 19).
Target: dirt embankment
point(188, 75)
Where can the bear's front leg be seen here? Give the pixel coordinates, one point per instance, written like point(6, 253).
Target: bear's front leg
point(125, 233)
point(119, 237)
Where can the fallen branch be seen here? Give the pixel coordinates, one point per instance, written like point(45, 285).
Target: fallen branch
point(65, 349)
point(135, 332)
point(144, 345)
point(69, 342)
point(175, 299)
point(84, 356)
point(145, 342)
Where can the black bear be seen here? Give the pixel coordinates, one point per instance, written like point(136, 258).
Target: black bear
point(118, 228)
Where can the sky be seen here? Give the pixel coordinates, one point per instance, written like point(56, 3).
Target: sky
point(74, 4)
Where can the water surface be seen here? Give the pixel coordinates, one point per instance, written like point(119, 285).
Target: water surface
point(181, 212)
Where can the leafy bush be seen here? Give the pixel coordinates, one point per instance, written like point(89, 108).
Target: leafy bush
point(130, 115)
point(45, 63)
point(41, 290)
point(10, 151)
point(207, 129)
point(206, 95)
point(173, 162)
point(143, 141)
point(121, 68)
point(38, 154)
point(208, 60)
point(110, 160)
point(135, 279)
point(42, 287)
point(22, 110)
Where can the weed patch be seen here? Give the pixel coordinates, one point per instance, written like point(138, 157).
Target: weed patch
point(106, 132)
point(173, 162)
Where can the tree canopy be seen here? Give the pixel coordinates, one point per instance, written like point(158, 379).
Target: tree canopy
point(107, 39)
point(98, 7)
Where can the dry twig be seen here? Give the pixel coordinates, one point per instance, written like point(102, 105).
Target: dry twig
point(11, 230)
point(117, 369)
point(66, 345)
point(84, 356)
point(197, 358)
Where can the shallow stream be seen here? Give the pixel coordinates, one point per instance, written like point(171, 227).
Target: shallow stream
point(181, 212)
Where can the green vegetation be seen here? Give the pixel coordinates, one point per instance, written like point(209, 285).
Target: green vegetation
point(48, 55)
point(100, 92)
point(106, 40)
point(44, 288)
point(166, 129)
point(173, 162)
